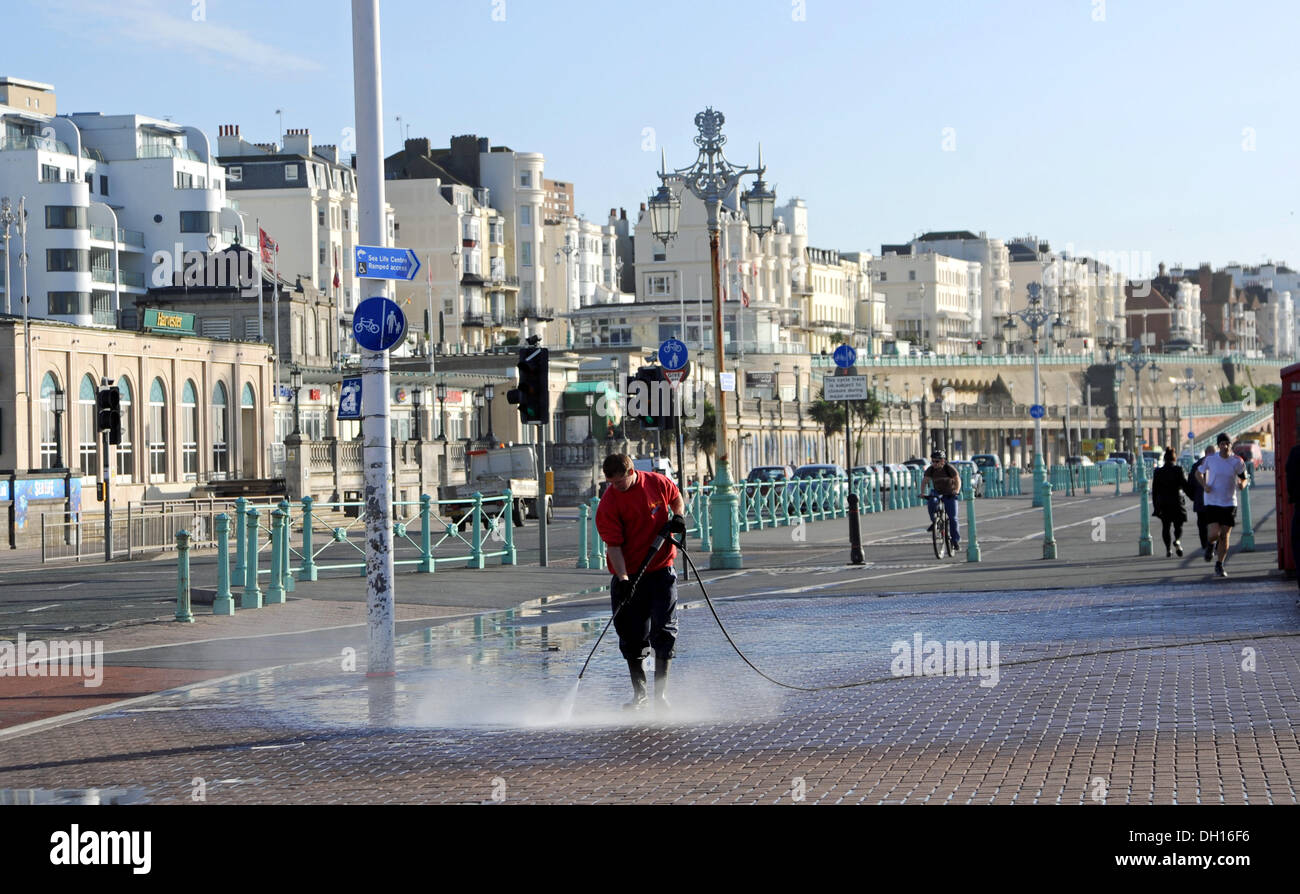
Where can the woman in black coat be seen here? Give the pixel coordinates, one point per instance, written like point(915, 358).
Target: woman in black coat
point(1167, 486)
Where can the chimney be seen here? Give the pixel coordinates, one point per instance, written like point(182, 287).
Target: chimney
point(298, 141)
point(228, 140)
point(418, 146)
point(622, 214)
point(643, 207)
point(1162, 269)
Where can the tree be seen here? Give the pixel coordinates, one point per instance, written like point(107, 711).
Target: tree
point(704, 438)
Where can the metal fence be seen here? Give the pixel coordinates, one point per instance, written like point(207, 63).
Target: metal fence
point(139, 529)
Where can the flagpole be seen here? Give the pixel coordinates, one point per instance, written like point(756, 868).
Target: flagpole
point(428, 328)
point(699, 294)
point(261, 271)
point(275, 273)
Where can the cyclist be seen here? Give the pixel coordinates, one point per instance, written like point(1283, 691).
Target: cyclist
point(945, 484)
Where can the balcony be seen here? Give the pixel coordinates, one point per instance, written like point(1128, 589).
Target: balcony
point(125, 237)
point(156, 151)
point(468, 243)
point(474, 320)
point(132, 280)
point(18, 144)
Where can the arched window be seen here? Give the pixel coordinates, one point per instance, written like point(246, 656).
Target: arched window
point(189, 432)
point(125, 450)
point(309, 332)
point(50, 448)
point(156, 432)
point(88, 426)
point(247, 399)
point(220, 422)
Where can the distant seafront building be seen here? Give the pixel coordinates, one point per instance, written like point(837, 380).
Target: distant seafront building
point(95, 183)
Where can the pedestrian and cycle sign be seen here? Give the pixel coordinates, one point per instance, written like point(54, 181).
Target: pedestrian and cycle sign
point(1037, 411)
point(350, 399)
point(380, 262)
point(845, 356)
point(1191, 436)
point(378, 324)
point(844, 387)
point(672, 354)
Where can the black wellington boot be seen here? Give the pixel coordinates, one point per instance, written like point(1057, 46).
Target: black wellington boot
point(639, 697)
point(661, 684)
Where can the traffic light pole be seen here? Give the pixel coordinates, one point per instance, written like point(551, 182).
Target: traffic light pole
point(108, 501)
point(543, 497)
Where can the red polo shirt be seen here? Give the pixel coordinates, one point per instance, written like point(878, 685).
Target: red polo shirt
point(632, 519)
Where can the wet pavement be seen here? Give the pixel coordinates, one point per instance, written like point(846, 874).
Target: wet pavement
point(1140, 694)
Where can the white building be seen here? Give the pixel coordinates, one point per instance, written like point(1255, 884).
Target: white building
point(990, 293)
point(928, 298)
point(104, 194)
point(586, 270)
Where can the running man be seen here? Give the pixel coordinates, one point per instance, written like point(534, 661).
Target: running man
point(945, 482)
point(1221, 475)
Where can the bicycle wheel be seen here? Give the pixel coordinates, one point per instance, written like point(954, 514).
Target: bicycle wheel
point(940, 532)
point(947, 535)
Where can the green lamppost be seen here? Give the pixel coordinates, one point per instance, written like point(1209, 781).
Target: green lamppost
point(1035, 316)
point(712, 179)
point(1137, 361)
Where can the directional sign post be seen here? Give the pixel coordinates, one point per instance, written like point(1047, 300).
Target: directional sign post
point(379, 262)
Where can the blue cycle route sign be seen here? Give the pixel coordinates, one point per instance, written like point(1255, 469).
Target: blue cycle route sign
point(1037, 411)
point(350, 399)
point(381, 262)
point(379, 324)
point(672, 354)
point(845, 356)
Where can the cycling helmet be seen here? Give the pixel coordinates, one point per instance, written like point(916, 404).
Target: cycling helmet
point(937, 456)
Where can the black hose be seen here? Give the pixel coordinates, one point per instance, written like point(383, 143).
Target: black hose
point(657, 545)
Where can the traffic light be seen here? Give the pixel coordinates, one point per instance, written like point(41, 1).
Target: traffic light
point(533, 395)
point(109, 403)
point(979, 344)
point(657, 407)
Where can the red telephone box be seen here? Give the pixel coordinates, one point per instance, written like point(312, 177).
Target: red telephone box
point(1286, 434)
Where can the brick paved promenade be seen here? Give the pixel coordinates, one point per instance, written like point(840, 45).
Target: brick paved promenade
point(1174, 688)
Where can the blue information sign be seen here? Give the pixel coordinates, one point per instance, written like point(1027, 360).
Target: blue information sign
point(350, 399)
point(1037, 411)
point(379, 324)
point(845, 356)
point(1015, 442)
point(672, 354)
point(1191, 436)
point(379, 262)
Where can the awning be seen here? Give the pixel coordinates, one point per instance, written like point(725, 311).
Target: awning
point(575, 398)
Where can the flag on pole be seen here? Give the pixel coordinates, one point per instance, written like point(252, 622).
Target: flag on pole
point(268, 245)
point(744, 297)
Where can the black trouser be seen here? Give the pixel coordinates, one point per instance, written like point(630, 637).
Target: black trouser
point(1203, 528)
point(1178, 530)
point(650, 617)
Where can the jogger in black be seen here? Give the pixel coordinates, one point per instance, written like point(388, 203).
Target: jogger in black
point(1167, 485)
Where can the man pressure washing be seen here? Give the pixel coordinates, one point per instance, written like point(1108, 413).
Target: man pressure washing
point(635, 510)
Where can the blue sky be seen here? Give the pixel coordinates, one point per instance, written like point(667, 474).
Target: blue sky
point(1117, 126)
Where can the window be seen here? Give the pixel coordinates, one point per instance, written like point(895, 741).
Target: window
point(252, 328)
point(49, 174)
point(660, 284)
point(125, 453)
point(525, 215)
point(235, 174)
point(184, 180)
point(67, 260)
point(87, 427)
point(526, 254)
point(189, 432)
point(156, 432)
point(50, 436)
point(67, 303)
point(347, 225)
point(320, 217)
point(65, 217)
point(220, 451)
point(525, 178)
point(290, 172)
point(103, 184)
point(90, 182)
point(321, 254)
point(199, 222)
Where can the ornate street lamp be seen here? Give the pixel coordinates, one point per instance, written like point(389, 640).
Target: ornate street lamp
point(59, 407)
point(1137, 361)
point(711, 179)
point(488, 391)
point(591, 419)
point(441, 389)
point(417, 400)
point(1035, 316)
point(295, 382)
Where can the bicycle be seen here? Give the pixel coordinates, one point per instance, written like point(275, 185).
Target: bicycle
point(940, 533)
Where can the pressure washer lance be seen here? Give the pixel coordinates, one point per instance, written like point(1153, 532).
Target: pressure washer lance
point(658, 544)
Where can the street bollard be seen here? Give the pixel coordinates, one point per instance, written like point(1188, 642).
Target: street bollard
point(582, 537)
point(972, 541)
point(183, 613)
point(252, 597)
point(1247, 528)
point(308, 569)
point(1087, 479)
point(476, 548)
point(1144, 515)
point(1117, 480)
point(426, 536)
point(595, 535)
point(1049, 537)
point(241, 506)
point(286, 569)
point(706, 535)
point(855, 533)
point(223, 604)
point(275, 592)
point(507, 518)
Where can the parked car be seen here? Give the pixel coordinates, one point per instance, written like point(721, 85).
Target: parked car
point(1079, 461)
point(802, 494)
point(916, 463)
point(969, 468)
point(767, 475)
point(1249, 451)
point(1124, 457)
point(1268, 459)
point(663, 465)
point(986, 461)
